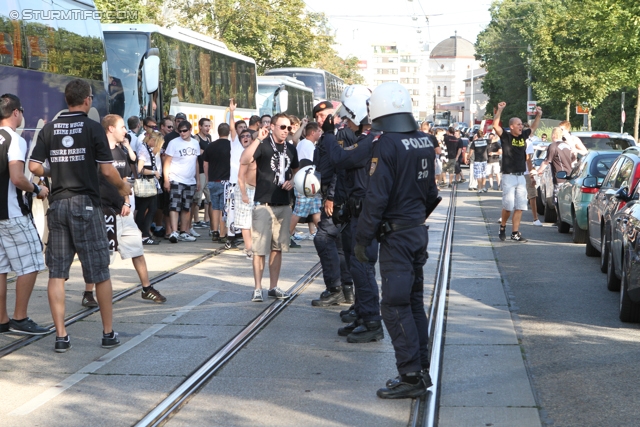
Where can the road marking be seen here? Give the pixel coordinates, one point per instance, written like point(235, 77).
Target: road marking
point(92, 367)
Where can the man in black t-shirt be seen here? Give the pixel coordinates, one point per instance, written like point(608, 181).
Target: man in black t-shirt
point(479, 149)
point(494, 151)
point(514, 187)
point(204, 139)
point(217, 167)
point(73, 144)
point(454, 151)
point(277, 162)
point(123, 233)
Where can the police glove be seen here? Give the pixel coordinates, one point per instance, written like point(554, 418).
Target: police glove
point(328, 126)
point(360, 253)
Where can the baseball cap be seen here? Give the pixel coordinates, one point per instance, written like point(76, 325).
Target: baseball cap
point(321, 106)
point(182, 116)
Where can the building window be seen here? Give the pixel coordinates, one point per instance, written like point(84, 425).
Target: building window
point(439, 90)
point(445, 91)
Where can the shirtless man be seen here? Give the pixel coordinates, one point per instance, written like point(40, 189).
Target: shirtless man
point(247, 186)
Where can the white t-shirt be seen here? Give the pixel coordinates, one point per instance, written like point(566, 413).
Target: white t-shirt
point(143, 154)
point(236, 153)
point(305, 149)
point(17, 151)
point(135, 141)
point(184, 160)
point(529, 151)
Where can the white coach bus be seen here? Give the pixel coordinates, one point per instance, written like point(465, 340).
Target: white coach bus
point(281, 94)
point(155, 71)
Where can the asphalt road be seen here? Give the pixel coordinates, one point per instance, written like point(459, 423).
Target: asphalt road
point(582, 359)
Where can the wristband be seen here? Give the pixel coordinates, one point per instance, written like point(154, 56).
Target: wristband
point(36, 189)
point(127, 204)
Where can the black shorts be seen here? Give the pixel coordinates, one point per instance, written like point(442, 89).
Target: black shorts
point(76, 226)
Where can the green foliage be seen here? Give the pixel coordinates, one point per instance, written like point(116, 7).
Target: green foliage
point(607, 116)
point(147, 12)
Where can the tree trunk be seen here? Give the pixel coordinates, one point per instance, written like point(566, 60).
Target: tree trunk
point(568, 109)
point(637, 121)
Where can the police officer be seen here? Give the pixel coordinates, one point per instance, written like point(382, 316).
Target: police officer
point(355, 160)
point(328, 241)
point(402, 191)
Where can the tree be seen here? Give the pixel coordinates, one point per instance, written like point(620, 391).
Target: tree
point(148, 12)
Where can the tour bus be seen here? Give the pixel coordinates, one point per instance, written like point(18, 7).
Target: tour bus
point(326, 86)
point(43, 46)
point(281, 94)
point(155, 71)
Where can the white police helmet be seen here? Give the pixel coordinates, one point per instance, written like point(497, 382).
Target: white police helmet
point(306, 182)
point(354, 104)
point(390, 109)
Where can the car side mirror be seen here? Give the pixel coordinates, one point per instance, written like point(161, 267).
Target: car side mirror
point(622, 194)
point(590, 182)
point(561, 175)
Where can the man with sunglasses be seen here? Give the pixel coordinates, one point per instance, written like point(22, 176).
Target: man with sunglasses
point(277, 162)
point(166, 126)
point(73, 144)
point(180, 167)
point(244, 194)
point(20, 245)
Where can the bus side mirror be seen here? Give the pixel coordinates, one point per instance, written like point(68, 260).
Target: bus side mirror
point(151, 70)
point(283, 100)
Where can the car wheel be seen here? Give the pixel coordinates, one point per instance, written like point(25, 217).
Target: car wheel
point(629, 310)
point(613, 283)
point(604, 251)
point(539, 204)
point(550, 214)
point(579, 235)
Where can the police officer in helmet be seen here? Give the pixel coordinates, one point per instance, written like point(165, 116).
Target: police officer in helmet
point(355, 160)
point(401, 193)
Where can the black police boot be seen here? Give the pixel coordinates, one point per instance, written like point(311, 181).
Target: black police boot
point(367, 332)
point(350, 316)
point(346, 330)
point(334, 296)
point(347, 290)
point(343, 312)
point(410, 385)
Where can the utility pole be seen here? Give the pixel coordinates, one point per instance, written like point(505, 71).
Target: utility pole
point(529, 91)
point(471, 109)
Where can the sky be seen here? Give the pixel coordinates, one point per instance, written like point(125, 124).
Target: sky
point(358, 24)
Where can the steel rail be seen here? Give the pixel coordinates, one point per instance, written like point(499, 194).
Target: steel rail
point(120, 295)
point(183, 393)
point(424, 411)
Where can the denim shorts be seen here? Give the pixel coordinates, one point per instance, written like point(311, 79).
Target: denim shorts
point(216, 191)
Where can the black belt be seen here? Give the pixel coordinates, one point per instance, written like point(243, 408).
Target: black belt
point(514, 173)
point(400, 227)
point(272, 204)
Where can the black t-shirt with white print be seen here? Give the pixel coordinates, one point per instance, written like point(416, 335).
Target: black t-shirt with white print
point(109, 194)
point(73, 144)
point(479, 147)
point(268, 175)
point(514, 157)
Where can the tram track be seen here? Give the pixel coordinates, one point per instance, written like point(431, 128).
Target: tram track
point(118, 296)
point(424, 411)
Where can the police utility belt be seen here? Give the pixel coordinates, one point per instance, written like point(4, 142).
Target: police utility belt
point(387, 227)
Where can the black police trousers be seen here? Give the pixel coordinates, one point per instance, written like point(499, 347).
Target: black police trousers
point(402, 255)
point(364, 279)
point(328, 243)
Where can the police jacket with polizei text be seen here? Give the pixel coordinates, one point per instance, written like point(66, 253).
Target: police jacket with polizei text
point(401, 185)
point(329, 179)
point(355, 160)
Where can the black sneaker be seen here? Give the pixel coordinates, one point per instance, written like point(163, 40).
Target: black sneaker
point(150, 241)
point(62, 344)
point(27, 327)
point(231, 245)
point(278, 293)
point(293, 244)
point(517, 237)
point(110, 340)
point(502, 234)
point(4, 327)
point(328, 298)
point(152, 294)
point(215, 237)
point(413, 384)
point(88, 300)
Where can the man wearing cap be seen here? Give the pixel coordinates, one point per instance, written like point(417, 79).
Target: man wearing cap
point(328, 240)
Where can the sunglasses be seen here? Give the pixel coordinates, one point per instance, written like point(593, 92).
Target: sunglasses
point(20, 109)
point(246, 135)
point(91, 96)
point(183, 130)
point(283, 127)
point(169, 127)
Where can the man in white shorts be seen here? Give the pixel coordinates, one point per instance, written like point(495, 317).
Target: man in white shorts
point(244, 194)
point(494, 151)
point(514, 187)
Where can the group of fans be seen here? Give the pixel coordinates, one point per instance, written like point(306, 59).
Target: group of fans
point(364, 176)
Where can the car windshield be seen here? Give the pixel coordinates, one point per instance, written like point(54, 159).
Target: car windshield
point(605, 143)
point(600, 165)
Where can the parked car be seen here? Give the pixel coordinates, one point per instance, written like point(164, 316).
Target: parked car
point(539, 154)
point(624, 172)
point(575, 194)
point(623, 273)
point(605, 141)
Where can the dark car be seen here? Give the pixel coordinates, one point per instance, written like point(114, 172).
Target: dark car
point(624, 172)
point(623, 271)
point(575, 194)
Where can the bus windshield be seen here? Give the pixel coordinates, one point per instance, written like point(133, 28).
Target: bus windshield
point(264, 98)
point(124, 56)
point(313, 81)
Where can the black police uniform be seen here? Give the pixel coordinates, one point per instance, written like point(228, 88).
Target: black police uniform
point(402, 185)
point(355, 160)
point(328, 241)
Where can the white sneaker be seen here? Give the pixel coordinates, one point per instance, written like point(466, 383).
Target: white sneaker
point(174, 237)
point(257, 295)
point(185, 237)
point(537, 223)
point(480, 191)
point(194, 233)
